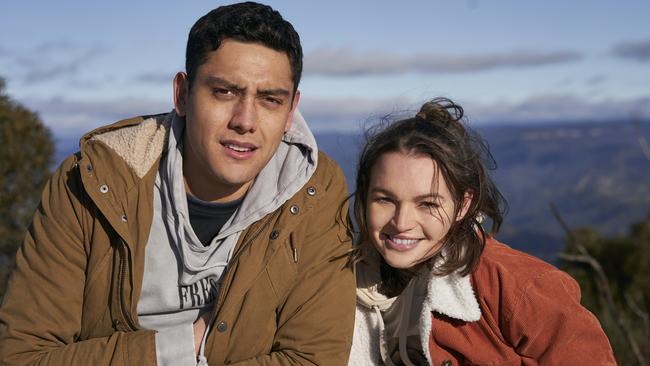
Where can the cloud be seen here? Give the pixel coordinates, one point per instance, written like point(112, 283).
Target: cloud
point(349, 114)
point(352, 114)
point(164, 78)
point(638, 51)
point(56, 47)
point(74, 117)
point(67, 117)
point(559, 108)
point(596, 80)
point(349, 62)
point(50, 61)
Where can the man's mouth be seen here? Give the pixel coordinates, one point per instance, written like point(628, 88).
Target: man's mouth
point(238, 148)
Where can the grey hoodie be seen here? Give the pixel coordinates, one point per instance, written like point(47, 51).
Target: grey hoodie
point(181, 275)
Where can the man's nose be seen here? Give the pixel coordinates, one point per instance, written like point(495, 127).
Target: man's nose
point(244, 117)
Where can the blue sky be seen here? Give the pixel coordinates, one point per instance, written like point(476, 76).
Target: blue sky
point(82, 64)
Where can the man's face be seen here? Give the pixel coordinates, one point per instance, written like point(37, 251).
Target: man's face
point(240, 104)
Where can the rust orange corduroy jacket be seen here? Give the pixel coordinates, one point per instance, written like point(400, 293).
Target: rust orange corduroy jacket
point(514, 309)
point(530, 315)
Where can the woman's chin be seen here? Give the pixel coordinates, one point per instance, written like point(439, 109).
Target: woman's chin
point(399, 261)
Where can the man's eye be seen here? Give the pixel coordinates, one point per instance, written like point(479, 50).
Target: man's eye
point(222, 92)
point(273, 101)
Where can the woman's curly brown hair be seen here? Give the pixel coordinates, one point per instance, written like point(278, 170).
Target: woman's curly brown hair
point(438, 131)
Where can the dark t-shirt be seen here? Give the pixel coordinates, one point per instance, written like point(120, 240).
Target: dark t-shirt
point(207, 218)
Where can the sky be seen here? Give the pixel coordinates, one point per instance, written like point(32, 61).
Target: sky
point(83, 64)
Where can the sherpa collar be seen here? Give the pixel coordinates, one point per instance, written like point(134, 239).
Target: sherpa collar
point(139, 144)
point(451, 295)
point(141, 141)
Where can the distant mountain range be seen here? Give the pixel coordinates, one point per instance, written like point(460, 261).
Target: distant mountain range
point(595, 173)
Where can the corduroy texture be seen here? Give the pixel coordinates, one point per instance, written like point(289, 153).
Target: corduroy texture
point(514, 309)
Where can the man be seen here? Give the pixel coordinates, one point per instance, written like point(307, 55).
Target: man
point(213, 233)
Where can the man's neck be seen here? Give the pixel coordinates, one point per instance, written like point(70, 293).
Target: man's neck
point(214, 192)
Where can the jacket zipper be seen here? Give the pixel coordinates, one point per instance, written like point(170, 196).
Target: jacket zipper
point(125, 313)
point(236, 256)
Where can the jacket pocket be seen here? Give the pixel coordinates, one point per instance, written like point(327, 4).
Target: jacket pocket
point(281, 271)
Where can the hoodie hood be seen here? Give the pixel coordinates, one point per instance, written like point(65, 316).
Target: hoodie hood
point(286, 172)
point(368, 281)
point(451, 295)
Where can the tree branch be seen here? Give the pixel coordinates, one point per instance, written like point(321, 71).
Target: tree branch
point(601, 281)
point(643, 142)
point(636, 309)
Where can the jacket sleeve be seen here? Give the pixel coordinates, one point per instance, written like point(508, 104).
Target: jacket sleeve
point(41, 313)
point(549, 326)
point(316, 322)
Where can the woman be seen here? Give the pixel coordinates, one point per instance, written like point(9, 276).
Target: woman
point(433, 287)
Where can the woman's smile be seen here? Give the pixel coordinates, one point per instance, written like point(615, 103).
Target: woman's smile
point(399, 243)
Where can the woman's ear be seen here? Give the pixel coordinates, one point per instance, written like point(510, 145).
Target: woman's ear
point(467, 201)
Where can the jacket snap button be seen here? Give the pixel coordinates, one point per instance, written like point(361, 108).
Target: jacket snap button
point(274, 234)
point(222, 326)
point(89, 168)
point(446, 363)
point(294, 209)
point(311, 191)
point(124, 218)
point(103, 188)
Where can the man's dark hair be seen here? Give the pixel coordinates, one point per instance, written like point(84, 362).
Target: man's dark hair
point(245, 22)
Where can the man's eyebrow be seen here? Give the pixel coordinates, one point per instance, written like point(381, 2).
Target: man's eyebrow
point(275, 91)
point(230, 85)
point(224, 82)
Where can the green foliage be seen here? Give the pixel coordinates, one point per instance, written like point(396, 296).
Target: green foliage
point(26, 149)
point(626, 263)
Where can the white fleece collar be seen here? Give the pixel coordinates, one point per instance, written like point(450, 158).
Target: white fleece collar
point(139, 145)
point(453, 296)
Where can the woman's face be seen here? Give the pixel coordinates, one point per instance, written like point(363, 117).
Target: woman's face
point(409, 209)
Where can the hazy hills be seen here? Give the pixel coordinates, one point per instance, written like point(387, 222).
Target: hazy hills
point(595, 173)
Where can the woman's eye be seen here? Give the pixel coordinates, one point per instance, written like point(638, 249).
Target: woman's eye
point(383, 200)
point(429, 204)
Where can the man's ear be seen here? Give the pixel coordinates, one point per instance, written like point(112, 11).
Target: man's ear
point(467, 201)
point(294, 106)
point(181, 93)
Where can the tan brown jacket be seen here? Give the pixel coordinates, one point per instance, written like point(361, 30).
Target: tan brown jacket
point(287, 297)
